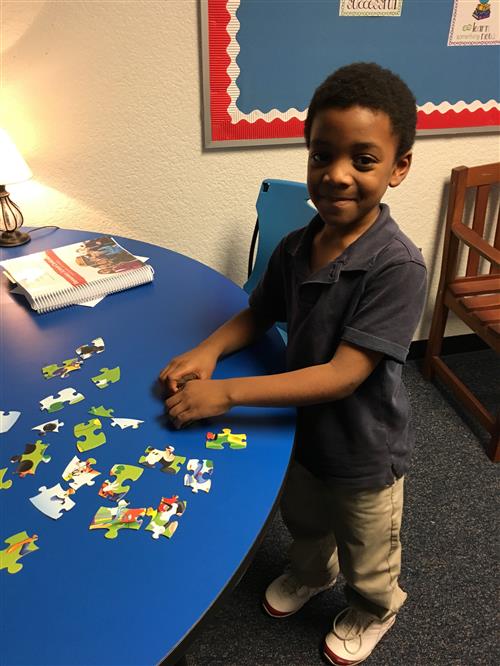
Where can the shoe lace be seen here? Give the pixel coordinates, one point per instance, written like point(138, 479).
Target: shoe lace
point(354, 623)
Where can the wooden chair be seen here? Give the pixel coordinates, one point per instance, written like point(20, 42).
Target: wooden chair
point(474, 296)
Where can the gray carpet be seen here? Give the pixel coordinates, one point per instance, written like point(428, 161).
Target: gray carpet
point(450, 547)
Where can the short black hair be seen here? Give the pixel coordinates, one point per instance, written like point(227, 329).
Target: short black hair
point(371, 86)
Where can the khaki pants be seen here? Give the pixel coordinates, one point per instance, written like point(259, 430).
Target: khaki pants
point(336, 528)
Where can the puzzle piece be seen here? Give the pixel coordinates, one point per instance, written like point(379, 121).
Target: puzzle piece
point(116, 518)
point(7, 420)
point(170, 462)
point(53, 501)
point(49, 426)
point(4, 485)
point(19, 545)
point(160, 523)
point(33, 455)
point(54, 403)
point(80, 473)
point(108, 376)
point(225, 437)
point(95, 347)
point(101, 411)
point(62, 371)
point(116, 490)
point(198, 473)
point(126, 423)
point(91, 438)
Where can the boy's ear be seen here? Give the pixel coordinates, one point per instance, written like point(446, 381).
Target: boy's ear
point(400, 169)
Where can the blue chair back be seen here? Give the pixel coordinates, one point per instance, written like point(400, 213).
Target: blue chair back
point(282, 206)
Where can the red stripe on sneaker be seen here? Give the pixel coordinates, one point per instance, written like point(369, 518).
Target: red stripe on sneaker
point(273, 612)
point(333, 659)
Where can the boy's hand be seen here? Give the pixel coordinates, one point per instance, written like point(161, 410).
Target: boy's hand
point(195, 363)
point(198, 399)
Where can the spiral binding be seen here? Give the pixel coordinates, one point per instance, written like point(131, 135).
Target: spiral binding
point(92, 290)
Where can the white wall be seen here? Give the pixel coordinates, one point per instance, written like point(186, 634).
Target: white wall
point(103, 99)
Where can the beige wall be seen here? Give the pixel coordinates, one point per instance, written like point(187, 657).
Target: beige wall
point(103, 99)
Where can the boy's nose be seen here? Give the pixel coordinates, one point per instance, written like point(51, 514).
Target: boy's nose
point(338, 173)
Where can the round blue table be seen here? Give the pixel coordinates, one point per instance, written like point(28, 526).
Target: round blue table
point(85, 599)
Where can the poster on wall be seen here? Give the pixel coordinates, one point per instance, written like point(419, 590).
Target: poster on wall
point(475, 23)
point(263, 60)
point(370, 7)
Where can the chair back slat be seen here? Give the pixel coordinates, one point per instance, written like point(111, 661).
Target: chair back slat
point(496, 242)
point(478, 224)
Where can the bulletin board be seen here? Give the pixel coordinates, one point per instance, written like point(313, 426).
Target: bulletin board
point(262, 60)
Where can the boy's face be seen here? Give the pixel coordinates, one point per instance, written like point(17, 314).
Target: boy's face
point(352, 161)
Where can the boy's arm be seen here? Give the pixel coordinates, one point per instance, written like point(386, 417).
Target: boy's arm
point(334, 380)
point(237, 332)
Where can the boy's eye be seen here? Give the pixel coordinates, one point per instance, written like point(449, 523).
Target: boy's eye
point(364, 161)
point(319, 158)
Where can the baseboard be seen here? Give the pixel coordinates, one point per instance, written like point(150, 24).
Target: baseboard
point(455, 344)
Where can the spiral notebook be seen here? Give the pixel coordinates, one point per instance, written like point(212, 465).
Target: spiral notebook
point(76, 273)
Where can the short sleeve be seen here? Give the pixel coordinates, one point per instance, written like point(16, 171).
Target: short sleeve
point(389, 310)
point(268, 299)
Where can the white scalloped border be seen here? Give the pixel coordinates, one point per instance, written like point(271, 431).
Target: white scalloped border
point(233, 91)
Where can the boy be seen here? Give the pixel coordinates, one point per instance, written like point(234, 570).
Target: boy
point(351, 287)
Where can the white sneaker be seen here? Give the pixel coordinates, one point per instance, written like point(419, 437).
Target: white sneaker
point(286, 595)
point(354, 637)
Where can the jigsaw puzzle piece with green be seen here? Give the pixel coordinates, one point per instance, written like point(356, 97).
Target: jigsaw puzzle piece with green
point(4, 485)
point(102, 411)
point(62, 371)
point(117, 518)
point(161, 523)
point(198, 475)
point(91, 438)
point(33, 455)
point(235, 441)
point(116, 490)
point(106, 377)
point(53, 403)
point(94, 347)
point(19, 545)
point(170, 463)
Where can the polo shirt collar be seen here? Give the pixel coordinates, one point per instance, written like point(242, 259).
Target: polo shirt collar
point(358, 256)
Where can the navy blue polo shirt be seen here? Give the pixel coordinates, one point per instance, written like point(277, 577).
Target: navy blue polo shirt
point(372, 296)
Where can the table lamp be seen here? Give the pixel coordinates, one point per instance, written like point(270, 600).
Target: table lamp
point(13, 169)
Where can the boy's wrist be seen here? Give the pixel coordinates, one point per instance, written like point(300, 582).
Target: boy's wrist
point(210, 347)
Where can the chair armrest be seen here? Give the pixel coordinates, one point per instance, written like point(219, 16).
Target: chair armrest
point(477, 242)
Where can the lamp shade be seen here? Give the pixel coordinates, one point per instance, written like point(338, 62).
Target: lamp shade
point(13, 169)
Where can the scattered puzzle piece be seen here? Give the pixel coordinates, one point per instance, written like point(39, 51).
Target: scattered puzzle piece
point(225, 437)
point(160, 523)
point(101, 411)
point(91, 438)
point(116, 490)
point(4, 485)
point(126, 423)
point(53, 501)
point(108, 376)
point(95, 347)
point(198, 473)
point(116, 518)
point(80, 473)
point(54, 403)
point(62, 371)
point(170, 462)
point(19, 545)
point(49, 426)
point(33, 455)
point(7, 420)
